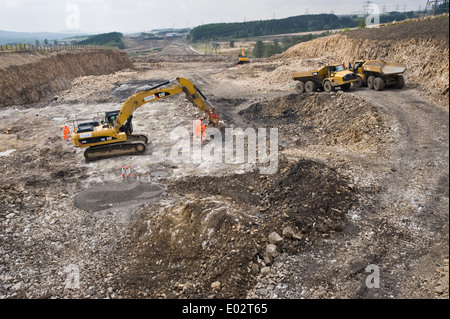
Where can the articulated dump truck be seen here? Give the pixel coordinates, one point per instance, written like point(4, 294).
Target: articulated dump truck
point(326, 79)
point(377, 74)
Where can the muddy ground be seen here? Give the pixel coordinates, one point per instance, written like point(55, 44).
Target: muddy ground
point(361, 181)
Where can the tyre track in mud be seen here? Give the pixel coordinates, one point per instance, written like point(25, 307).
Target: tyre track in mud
point(412, 205)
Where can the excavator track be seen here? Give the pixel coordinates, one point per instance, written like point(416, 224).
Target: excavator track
point(138, 138)
point(114, 150)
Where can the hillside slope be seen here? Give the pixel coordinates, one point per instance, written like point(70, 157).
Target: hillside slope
point(423, 46)
point(33, 78)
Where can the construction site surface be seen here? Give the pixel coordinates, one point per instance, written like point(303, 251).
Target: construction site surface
point(361, 179)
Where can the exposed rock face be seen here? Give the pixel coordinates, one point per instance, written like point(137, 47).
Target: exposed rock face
point(41, 76)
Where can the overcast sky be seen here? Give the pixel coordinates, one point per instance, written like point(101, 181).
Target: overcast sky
point(126, 16)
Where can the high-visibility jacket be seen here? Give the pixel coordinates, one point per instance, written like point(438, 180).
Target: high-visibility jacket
point(203, 127)
point(66, 131)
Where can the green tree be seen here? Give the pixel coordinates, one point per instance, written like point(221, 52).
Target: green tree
point(37, 43)
point(46, 42)
point(258, 50)
point(276, 47)
point(362, 24)
point(269, 49)
point(231, 44)
point(55, 42)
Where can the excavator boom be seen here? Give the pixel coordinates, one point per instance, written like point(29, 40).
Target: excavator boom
point(158, 92)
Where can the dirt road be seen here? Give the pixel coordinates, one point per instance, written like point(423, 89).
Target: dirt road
point(361, 185)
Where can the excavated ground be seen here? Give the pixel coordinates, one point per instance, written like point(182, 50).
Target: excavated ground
point(362, 180)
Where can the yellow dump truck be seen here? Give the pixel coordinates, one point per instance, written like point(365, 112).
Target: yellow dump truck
point(326, 79)
point(377, 74)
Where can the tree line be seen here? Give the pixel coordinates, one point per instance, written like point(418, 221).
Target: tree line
point(297, 24)
point(268, 49)
point(304, 23)
point(113, 39)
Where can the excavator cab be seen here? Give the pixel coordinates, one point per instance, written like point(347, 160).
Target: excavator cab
point(110, 117)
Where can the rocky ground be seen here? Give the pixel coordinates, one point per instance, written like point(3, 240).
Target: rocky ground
point(361, 182)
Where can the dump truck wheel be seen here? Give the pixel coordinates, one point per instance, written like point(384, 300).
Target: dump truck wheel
point(371, 82)
point(378, 85)
point(300, 87)
point(400, 82)
point(310, 86)
point(358, 84)
point(328, 87)
point(346, 87)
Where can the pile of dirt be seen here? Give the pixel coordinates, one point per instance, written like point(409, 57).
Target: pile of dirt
point(13, 58)
point(335, 119)
point(96, 89)
point(38, 79)
point(218, 233)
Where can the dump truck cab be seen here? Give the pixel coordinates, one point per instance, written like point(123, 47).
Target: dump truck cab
point(378, 74)
point(358, 66)
point(326, 79)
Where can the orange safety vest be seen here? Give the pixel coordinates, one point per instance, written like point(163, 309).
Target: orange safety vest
point(66, 131)
point(203, 132)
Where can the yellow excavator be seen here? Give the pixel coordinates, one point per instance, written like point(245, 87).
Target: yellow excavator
point(242, 58)
point(113, 136)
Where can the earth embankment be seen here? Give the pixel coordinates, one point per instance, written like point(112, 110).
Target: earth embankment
point(37, 77)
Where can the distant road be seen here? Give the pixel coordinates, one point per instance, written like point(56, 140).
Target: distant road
point(198, 52)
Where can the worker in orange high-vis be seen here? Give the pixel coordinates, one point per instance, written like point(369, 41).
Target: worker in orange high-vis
point(66, 132)
point(203, 130)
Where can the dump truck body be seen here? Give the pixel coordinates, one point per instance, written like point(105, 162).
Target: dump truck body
point(377, 74)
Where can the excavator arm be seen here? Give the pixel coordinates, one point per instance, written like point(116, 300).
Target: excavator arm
point(160, 91)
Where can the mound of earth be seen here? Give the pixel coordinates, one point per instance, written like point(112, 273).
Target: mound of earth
point(334, 119)
point(213, 242)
